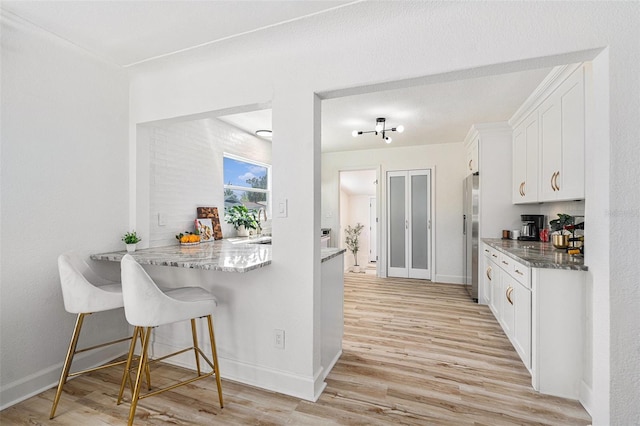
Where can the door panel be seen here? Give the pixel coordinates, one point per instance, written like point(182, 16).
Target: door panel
point(397, 222)
point(409, 249)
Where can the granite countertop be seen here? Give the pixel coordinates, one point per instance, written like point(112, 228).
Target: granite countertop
point(536, 254)
point(228, 255)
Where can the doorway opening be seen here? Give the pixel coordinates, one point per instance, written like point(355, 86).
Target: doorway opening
point(358, 205)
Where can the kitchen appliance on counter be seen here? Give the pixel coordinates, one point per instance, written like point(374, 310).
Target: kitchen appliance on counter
point(325, 237)
point(531, 226)
point(470, 231)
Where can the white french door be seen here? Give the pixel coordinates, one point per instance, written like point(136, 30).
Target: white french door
point(409, 224)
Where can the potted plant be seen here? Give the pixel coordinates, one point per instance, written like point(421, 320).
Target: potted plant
point(242, 219)
point(353, 243)
point(131, 239)
point(562, 227)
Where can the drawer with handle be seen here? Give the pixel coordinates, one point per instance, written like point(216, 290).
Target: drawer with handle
point(491, 253)
point(516, 269)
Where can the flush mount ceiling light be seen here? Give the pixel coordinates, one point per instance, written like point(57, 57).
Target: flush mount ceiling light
point(264, 133)
point(380, 129)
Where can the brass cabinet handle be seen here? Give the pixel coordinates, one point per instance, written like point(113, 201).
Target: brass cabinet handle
point(509, 291)
point(486, 251)
point(489, 273)
point(470, 162)
point(524, 185)
point(506, 263)
point(494, 255)
point(553, 187)
point(555, 181)
point(518, 272)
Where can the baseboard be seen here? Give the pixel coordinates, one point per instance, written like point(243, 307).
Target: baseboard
point(331, 365)
point(38, 382)
point(449, 279)
point(586, 397)
point(299, 386)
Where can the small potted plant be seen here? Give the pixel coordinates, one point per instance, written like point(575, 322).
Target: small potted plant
point(131, 239)
point(242, 219)
point(353, 243)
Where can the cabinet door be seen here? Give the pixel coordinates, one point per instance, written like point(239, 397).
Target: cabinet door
point(550, 147)
point(562, 130)
point(521, 337)
point(495, 302)
point(487, 279)
point(570, 181)
point(508, 309)
point(472, 157)
point(525, 161)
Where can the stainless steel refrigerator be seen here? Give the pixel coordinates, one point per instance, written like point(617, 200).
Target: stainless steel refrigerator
point(470, 234)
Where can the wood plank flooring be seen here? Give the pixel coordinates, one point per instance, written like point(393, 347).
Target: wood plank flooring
point(414, 353)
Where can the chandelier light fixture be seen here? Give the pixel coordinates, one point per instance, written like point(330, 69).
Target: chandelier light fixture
point(381, 129)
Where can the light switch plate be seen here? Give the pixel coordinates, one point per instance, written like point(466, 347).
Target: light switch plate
point(162, 219)
point(281, 208)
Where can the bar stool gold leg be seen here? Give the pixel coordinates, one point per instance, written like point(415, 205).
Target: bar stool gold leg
point(67, 362)
point(214, 353)
point(141, 366)
point(195, 344)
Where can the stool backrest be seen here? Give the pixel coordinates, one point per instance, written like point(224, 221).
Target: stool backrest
point(83, 291)
point(145, 305)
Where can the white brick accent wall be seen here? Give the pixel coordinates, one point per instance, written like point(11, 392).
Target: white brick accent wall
point(186, 172)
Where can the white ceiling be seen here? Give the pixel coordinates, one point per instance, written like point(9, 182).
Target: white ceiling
point(130, 32)
point(358, 182)
point(127, 32)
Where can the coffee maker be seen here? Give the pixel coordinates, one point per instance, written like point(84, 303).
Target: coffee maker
point(531, 226)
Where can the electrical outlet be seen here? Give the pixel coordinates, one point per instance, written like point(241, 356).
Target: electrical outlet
point(278, 339)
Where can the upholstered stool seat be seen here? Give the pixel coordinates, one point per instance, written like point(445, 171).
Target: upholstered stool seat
point(84, 292)
point(146, 306)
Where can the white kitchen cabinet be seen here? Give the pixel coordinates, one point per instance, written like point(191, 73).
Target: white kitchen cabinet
point(562, 133)
point(542, 312)
point(472, 149)
point(525, 161)
point(521, 336)
point(549, 137)
point(491, 280)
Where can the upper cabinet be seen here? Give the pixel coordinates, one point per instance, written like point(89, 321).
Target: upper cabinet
point(548, 139)
point(525, 161)
point(472, 148)
point(562, 122)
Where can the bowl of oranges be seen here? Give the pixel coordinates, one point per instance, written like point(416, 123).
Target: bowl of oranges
point(188, 239)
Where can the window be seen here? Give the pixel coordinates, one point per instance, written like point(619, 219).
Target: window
point(246, 182)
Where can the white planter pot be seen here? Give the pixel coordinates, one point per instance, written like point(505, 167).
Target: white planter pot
point(242, 231)
point(131, 248)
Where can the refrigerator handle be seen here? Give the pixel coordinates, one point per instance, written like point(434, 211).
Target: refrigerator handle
point(464, 224)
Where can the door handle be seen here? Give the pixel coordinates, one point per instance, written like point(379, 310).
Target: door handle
point(555, 181)
point(464, 224)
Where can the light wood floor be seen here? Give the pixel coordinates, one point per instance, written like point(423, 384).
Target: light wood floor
point(415, 353)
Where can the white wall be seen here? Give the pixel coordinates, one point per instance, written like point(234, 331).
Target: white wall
point(448, 170)
point(186, 172)
point(64, 187)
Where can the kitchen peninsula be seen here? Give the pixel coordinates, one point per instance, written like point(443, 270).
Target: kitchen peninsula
point(241, 272)
point(227, 255)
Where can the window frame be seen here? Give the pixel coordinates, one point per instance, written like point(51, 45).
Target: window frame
point(246, 188)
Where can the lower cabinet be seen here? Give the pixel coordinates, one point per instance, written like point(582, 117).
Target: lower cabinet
point(542, 313)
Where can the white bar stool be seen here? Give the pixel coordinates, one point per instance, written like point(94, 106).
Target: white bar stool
point(146, 307)
point(84, 293)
